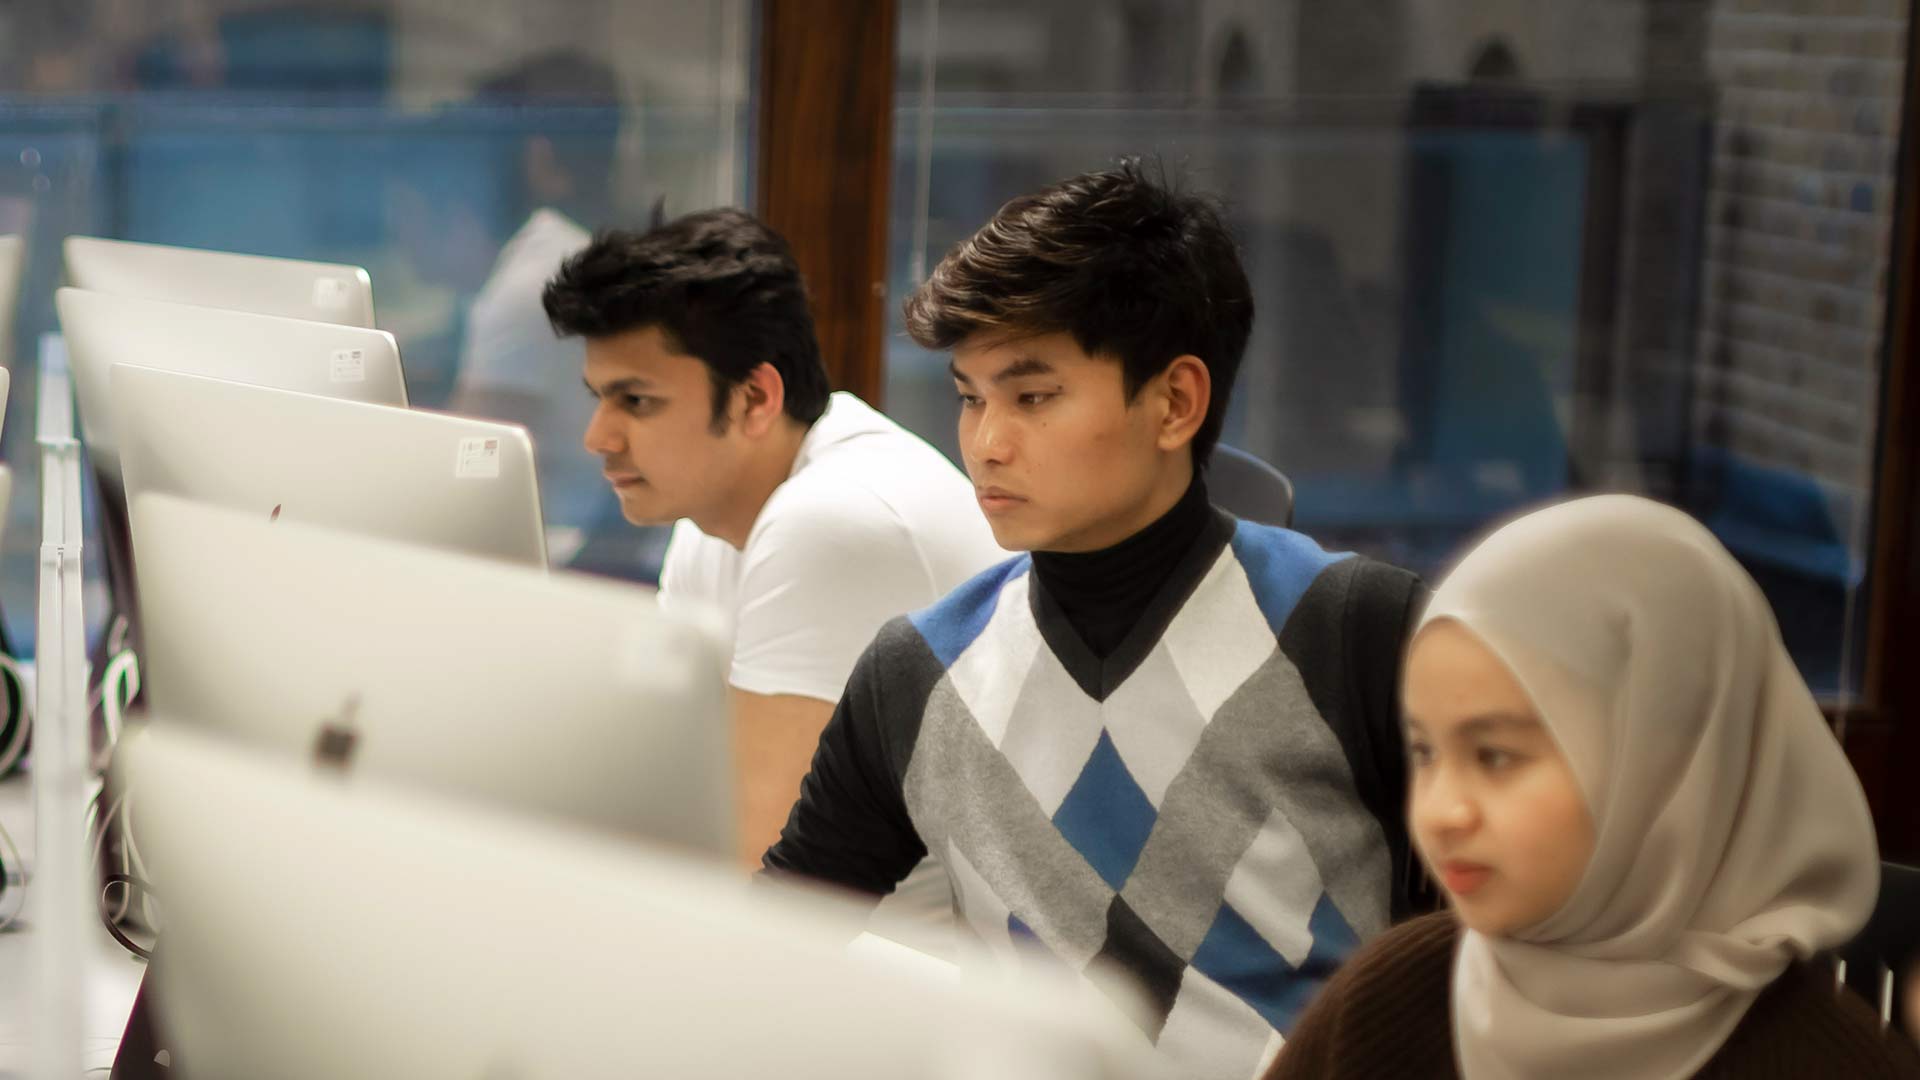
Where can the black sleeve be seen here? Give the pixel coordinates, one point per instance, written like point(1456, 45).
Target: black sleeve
point(1347, 636)
point(850, 827)
point(1383, 607)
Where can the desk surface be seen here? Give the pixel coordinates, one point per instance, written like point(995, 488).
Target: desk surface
point(112, 975)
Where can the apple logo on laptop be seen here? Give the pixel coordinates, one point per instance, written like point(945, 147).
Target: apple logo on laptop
point(337, 737)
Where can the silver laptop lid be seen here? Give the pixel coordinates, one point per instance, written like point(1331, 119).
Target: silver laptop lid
point(102, 329)
point(563, 694)
point(407, 474)
point(315, 930)
point(297, 288)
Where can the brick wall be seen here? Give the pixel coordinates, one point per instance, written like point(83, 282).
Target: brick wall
point(1799, 212)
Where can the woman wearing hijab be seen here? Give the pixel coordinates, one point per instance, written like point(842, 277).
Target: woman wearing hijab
point(1642, 823)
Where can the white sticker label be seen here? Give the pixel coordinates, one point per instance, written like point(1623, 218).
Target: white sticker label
point(329, 294)
point(479, 460)
point(349, 365)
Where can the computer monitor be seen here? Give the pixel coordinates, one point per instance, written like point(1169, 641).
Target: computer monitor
point(13, 258)
point(295, 288)
point(565, 694)
point(351, 363)
point(6, 391)
point(319, 930)
point(101, 329)
point(408, 474)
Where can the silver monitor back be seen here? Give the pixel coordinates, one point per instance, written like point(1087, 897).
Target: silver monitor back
point(296, 288)
point(564, 695)
point(102, 329)
point(13, 259)
point(319, 930)
point(406, 474)
point(6, 391)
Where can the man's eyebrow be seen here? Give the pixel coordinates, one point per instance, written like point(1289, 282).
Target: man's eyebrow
point(631, 382)
point(1026, 365)
point(1020, 368)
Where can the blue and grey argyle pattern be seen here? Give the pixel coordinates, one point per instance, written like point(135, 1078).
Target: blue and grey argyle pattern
point(1191, 821)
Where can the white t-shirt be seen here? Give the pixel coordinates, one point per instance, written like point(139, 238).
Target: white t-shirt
point(872, 523)
point(510, 345)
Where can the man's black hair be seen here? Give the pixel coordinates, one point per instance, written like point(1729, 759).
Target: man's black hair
point(720, 285)
point(1130, 266)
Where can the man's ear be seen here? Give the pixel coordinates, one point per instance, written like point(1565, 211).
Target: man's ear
point(1186, 388)
point(761, 399)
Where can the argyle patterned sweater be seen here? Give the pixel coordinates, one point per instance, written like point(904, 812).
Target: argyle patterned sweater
point(1214, 808)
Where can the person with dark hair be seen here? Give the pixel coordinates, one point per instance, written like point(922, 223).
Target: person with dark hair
point(805, 516)
point(559, 113)
point(1164, 741)
point(568, 107)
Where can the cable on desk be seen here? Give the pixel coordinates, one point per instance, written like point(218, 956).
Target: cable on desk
point(129, 873)
point(16, 731)
point(13, 880)
point(131, 883)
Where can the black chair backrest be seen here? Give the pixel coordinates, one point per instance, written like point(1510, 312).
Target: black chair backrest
point(1248, 488)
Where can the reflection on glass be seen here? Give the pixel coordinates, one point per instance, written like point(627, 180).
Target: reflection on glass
point(1499, 252)
point(458, 152)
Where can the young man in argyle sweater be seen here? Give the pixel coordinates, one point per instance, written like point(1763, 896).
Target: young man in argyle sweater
point(1164, 740)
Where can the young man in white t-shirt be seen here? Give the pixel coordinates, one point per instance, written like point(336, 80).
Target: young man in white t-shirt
point(807, 517)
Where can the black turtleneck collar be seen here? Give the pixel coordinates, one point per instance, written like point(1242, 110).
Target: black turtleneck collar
point(1103, 594)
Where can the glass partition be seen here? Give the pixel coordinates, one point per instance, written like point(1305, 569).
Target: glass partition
point(455, 150)
point(1499, 251)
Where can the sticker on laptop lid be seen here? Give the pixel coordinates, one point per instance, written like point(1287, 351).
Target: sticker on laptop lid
point(479, 459)
point(330, 294)
point(349, 365)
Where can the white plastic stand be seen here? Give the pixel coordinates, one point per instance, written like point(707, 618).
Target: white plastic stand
point(60, 898)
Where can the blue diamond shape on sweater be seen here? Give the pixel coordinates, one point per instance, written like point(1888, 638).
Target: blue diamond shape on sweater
point(1106, 817)
point(1240, 960)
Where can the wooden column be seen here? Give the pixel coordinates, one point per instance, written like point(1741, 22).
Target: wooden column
point(1884, 742)
point(824, 153)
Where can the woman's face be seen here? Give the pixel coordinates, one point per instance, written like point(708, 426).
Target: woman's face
point(1495, 810)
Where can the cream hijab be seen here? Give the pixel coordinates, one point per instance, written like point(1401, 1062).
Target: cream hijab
point(1731, 836)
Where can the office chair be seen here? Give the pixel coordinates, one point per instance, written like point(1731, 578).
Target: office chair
point(1248, 488)
point(1878, 957)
